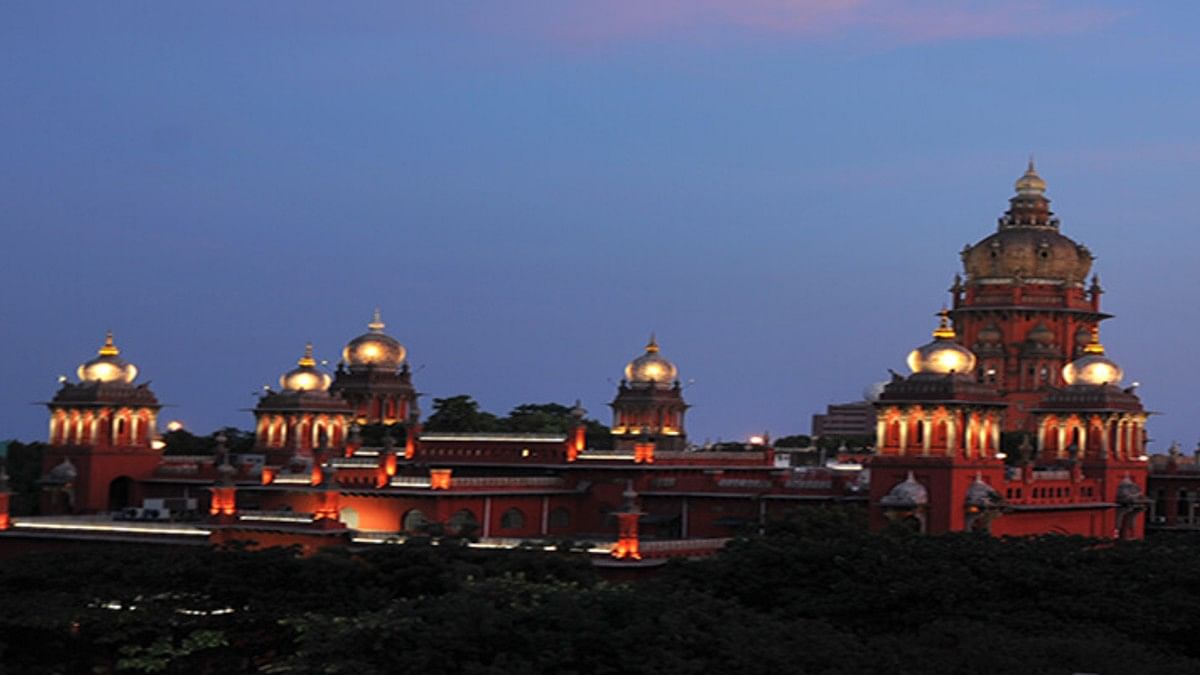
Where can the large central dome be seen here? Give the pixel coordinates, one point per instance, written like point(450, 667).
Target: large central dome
point(1028, 245)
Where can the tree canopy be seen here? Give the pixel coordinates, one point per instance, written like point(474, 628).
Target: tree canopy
point(814, 594)
point(463, 414)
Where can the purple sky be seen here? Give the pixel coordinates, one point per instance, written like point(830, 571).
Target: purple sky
point(780, 189)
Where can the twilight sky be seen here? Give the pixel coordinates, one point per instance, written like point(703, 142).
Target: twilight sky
point(527, 188)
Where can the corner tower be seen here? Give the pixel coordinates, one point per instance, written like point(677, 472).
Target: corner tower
point(102, 437)
point(1024, 308)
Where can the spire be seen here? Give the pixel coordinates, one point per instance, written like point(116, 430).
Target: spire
point(652, 346)
point(944, 331)
point(109, 349)
point(307, 361)
point(376, 324)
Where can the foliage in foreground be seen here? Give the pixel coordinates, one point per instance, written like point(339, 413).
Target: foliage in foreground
point(813, 595)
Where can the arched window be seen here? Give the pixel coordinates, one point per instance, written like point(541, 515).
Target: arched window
point(512, 519)
point(414, 521)
point(463, 523)
point(560, 518)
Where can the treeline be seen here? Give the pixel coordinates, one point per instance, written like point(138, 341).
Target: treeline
point(816, 594)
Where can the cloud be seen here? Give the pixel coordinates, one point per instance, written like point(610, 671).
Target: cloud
point(600, 23)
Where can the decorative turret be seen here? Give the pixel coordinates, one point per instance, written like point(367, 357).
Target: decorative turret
point(943, 356)
point(649, 406)
point(1093, 368)
point(305, 376)
point(108, 366)
point(374, 377)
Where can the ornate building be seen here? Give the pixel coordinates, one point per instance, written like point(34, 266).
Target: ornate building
point(1023, 308)
point(1035, 365)
point(1023, 354)
point(375, 379)
point(649, 406)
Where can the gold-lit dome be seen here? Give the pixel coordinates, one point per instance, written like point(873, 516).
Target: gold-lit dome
point(305, 376)
point(374, 349)
point(1030, 183)
point(943, 355)
point(651, 367)
point(1093, 368)
point(108, 366)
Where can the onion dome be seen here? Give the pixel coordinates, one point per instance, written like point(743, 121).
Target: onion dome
point(1093, 368)
point(374, 349)
point(990, 334)
point(981, 495)
point(908, 494)
point(63, 472)
point(305, 376)
point(651, 367)
point(108, 366)
point(1041, 334)
point(942, 356)
point(1028, 245)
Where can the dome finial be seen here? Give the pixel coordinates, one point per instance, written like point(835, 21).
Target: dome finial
point(376, 324)
point(652, 345)
point(1094, 346)
point(109, 349)
point(307, 360)
point(1031, 183)
point(944, 331)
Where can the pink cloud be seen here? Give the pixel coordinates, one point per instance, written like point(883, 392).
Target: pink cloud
point(617, 21)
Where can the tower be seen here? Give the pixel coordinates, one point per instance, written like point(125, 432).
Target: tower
point(1094, 425)
point(1023, 308)
point(938, 435)
point(102, 428)
point(293, 421)
point(649, 406)
point(374, 378)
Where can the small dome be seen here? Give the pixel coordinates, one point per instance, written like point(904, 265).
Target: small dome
point(63, 472)
point(651, 367)
point(1093, 368)
point(1128, 492)
point(374, 349)
point(305, 376)
point(108, 366)
point(990, 334)
point(1041, 334)
point(907, 494)
point(982, 495)
point(943, 355)
point(1030, 183)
